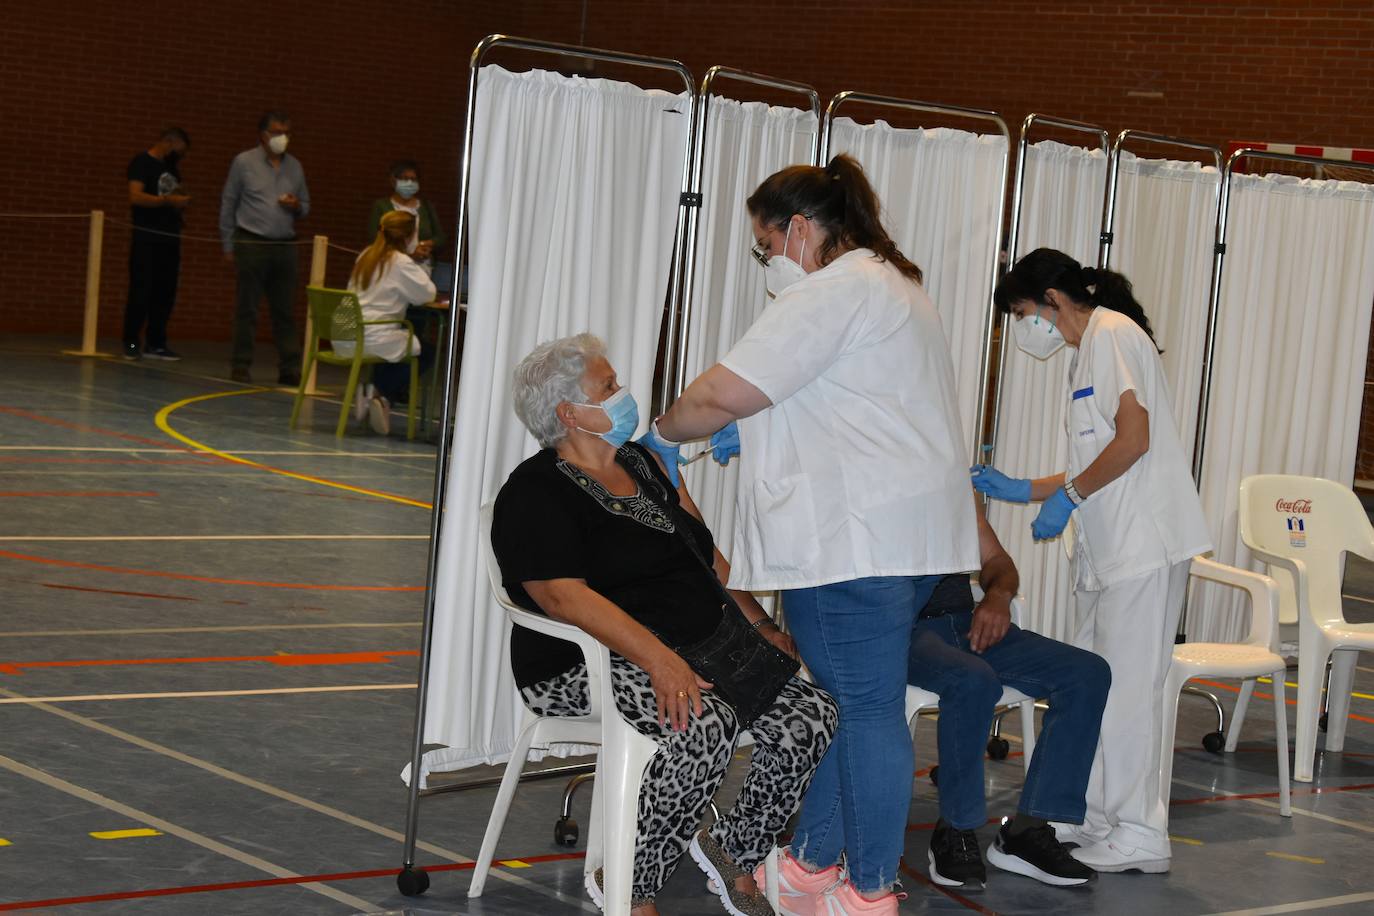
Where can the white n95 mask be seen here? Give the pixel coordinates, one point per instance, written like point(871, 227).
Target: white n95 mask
point(277, 144)
point(1040, 339)
point(782, 271)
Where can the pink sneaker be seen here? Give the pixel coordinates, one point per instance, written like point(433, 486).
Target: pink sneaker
point(844, 900)
point(800, 892)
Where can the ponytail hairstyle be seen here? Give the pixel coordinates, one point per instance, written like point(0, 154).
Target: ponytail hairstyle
point(1088, 287)
point(839, 199)
point(393, 235)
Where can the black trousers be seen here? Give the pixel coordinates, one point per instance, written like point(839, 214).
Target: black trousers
point(265, 270)
point(154, 265)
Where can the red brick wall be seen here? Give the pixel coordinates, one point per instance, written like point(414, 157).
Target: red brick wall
point(89, 83)
point(364, 84)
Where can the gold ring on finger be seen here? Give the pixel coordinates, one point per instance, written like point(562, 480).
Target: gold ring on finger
point(682, 693)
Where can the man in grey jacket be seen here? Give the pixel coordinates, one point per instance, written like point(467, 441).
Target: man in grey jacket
point(264, 196)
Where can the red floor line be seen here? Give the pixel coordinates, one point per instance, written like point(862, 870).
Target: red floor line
point(264, 882)
point(11, 494)
point(290, 660)
point(50, 460)
point(81, 427)
point(187, 577)
point(1265, 696)
point(112, 591)
point(957, 898)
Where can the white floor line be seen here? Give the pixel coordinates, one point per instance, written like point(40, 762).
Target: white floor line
point(186, 694)
point(500, 874)
point(189, 836)
point(1301, 906)
point(1357, 598)
point(214, 537)
point(1266, 803)
point(148, 631)
point(172, 449)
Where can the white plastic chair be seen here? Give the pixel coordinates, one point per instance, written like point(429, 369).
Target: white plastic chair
point(919, 701)
point(1303, 527)
point(1253, 657)
point(619, 764)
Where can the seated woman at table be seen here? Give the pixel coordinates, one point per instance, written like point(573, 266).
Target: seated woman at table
point(591, 532)
point(387, 280)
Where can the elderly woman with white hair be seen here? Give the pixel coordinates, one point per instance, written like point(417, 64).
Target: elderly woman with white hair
point(591, 532)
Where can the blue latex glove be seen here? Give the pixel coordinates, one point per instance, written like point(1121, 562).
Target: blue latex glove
point(670, 452)
point(994, 483)
point(1053, 517)
point(725, 443)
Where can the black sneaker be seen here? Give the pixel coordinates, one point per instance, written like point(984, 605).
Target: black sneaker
point(170, 356)
point(131, 351)
point(955, 860)
point(1036, 854)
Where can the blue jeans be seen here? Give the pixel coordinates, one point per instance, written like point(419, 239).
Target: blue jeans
point(1074, 682)
point(855, 638)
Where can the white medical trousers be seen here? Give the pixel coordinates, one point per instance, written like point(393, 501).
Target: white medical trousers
point(1132, 625)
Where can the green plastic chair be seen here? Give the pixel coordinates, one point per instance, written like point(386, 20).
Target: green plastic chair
point(336, 315)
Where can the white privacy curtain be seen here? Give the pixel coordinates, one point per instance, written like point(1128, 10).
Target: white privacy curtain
point(574, 196)
point(1165, 226)
point(1292, 340)
point(745, 143)
point(1061, 208)
point(941, 191)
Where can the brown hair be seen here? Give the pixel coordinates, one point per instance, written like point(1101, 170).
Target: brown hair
point(392, 236)
point(840, 200)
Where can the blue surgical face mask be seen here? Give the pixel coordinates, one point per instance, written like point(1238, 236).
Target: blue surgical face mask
point(407, 188)
point(624, 414)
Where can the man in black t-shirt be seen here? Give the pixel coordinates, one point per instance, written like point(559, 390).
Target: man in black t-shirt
point(156, 200)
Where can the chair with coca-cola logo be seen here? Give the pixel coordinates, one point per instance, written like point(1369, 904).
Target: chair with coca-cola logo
point(1303, 527)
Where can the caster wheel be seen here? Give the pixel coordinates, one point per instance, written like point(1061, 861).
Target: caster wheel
point(412, 881)
point(935, 775)
point(998, 748)
point(1321, 723)
point(1214, 742)
point(565, 832)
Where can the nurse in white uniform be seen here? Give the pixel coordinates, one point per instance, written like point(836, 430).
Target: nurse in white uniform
point(1138, 523)
point(853, 499)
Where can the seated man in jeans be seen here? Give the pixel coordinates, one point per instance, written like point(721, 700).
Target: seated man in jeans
point(966, 652)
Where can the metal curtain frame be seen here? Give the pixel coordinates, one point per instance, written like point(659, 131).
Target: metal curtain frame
point(978, 114)
point(1014, 239)
point(675, 375)
point(411, 880)
point(1218, 262)
point(1108, 236)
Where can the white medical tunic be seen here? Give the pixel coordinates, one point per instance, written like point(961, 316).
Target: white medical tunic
point(859, 468)
point(400, 283)
point(1150, 517)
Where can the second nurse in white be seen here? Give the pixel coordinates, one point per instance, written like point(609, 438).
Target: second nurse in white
point(1138, 524)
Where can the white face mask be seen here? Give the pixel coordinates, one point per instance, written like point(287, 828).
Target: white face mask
point(782, 271)
point(1040, 339)
point(277, 144)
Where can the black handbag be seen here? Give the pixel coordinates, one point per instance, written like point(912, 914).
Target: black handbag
point(745, 670)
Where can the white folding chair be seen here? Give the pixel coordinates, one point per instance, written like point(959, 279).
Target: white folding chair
point(620, 762)
point(1303, 527)
point(919, 701)
point(1250, 658)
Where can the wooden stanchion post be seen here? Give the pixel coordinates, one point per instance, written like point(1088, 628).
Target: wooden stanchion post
point(90, 323)
point(318, 256)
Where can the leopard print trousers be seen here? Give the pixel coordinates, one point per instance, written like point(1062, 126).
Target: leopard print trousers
point(790, 738)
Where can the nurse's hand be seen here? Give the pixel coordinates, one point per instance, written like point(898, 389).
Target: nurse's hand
point(725, 443)
point(994, 483)
point(669, 451)
point(1053, 517)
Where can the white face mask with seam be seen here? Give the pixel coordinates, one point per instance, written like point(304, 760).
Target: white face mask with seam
point(278, 143)
point(782, 271)
point(1040, 339)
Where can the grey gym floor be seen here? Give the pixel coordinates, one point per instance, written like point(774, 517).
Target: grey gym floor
point(161, 567)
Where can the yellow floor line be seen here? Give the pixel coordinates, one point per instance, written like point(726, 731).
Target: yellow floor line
point(5, 842)
point(514, 863)
point(1186, 841)
point(1294, 685)
point(162, 424)
point(125, 834)
point(1310, 860)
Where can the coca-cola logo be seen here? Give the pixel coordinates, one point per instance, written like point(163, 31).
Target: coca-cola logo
point(1294, 506)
